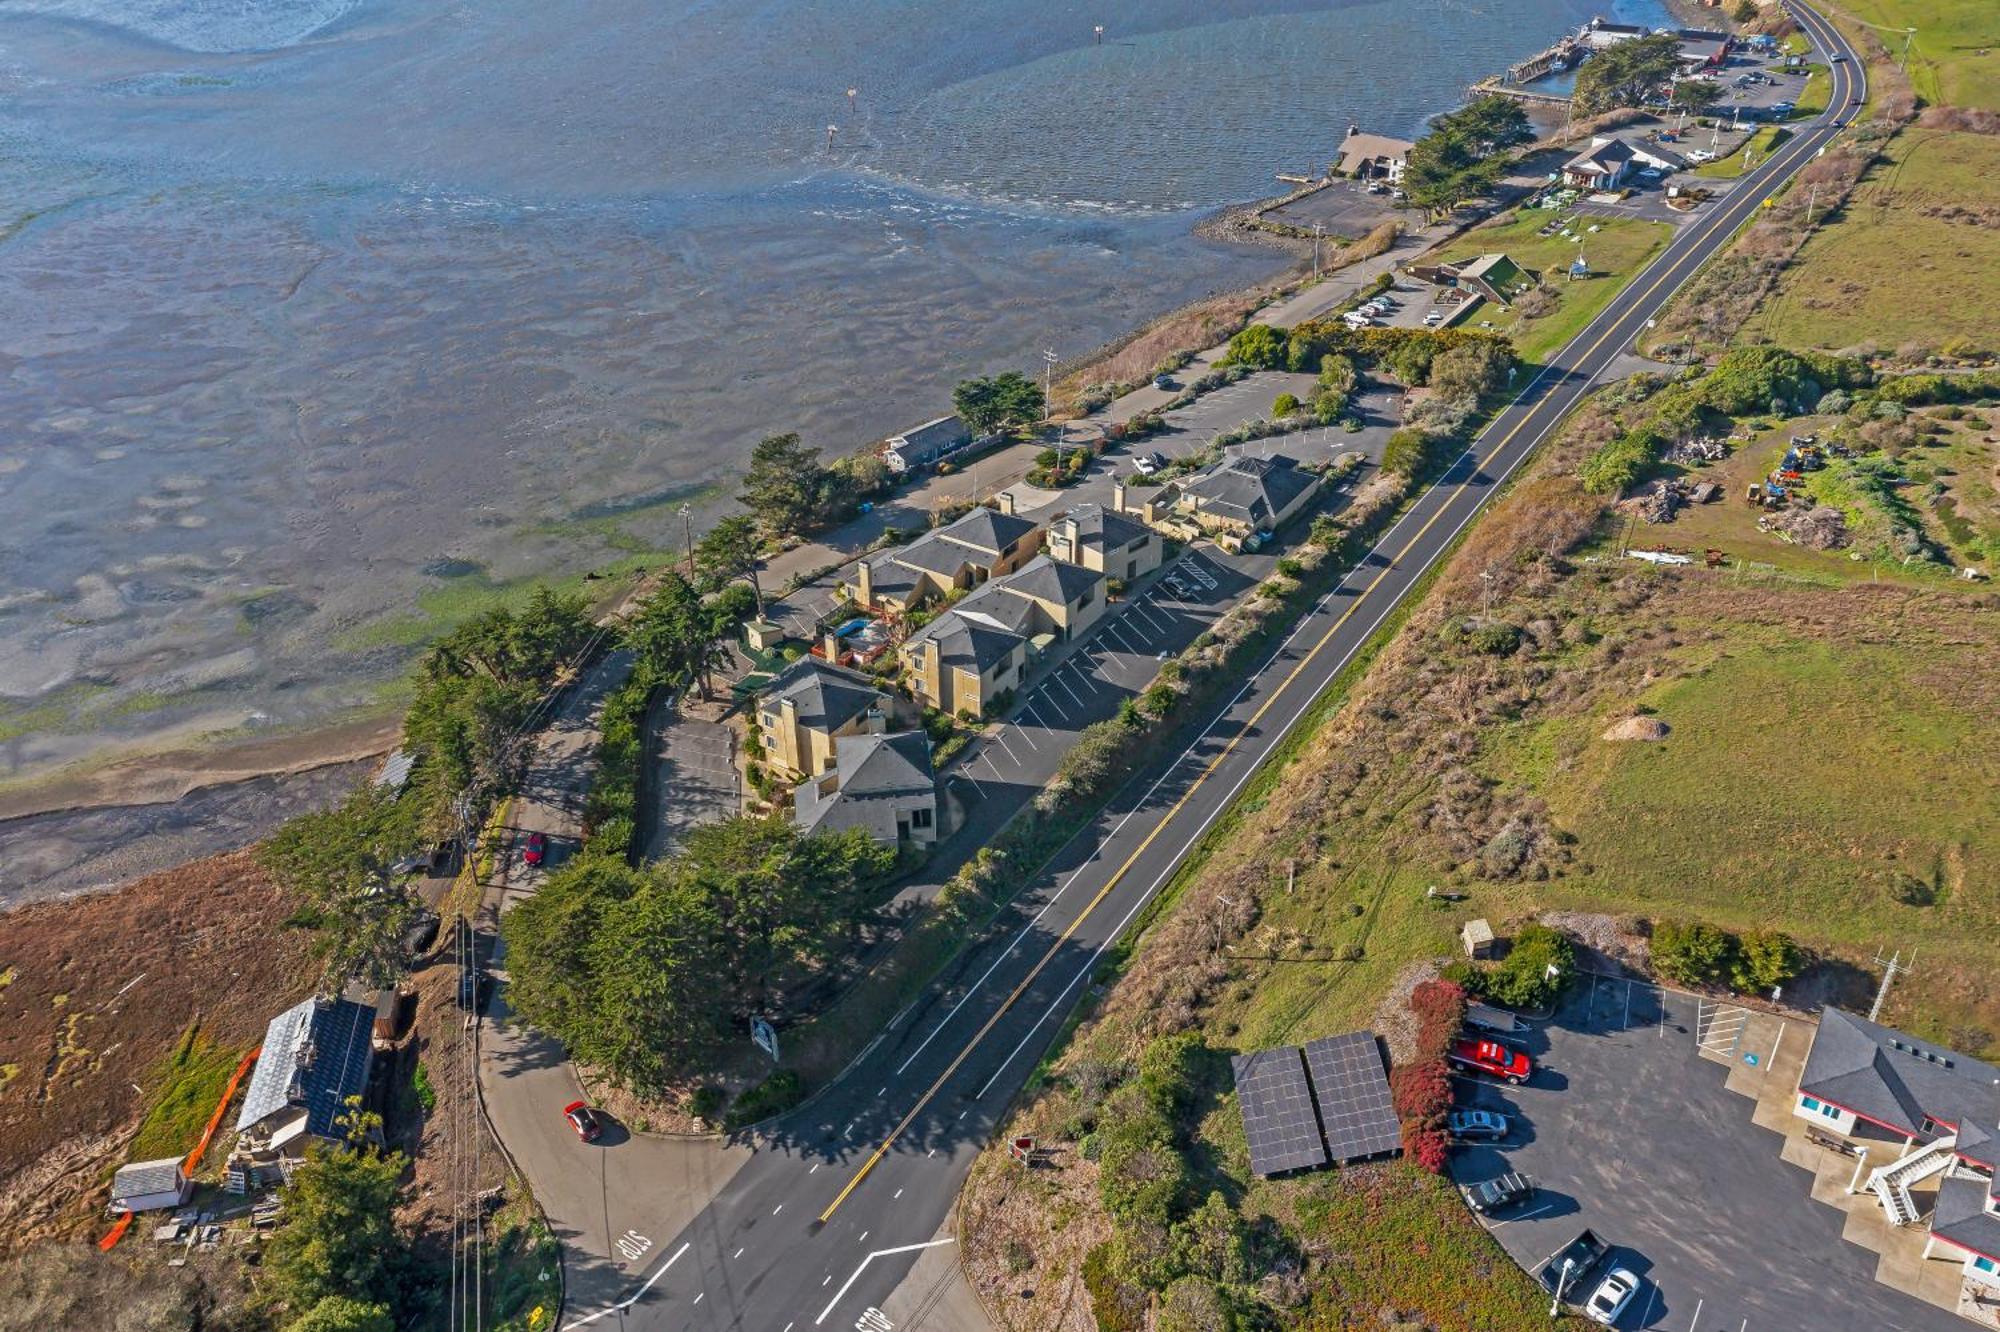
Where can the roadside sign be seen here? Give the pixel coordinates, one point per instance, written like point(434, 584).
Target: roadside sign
point(1021, 1149)
point(764, 1037)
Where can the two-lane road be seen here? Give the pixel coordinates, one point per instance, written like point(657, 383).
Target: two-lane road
point(840, 1200)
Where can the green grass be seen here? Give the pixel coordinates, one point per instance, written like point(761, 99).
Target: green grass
point(1813, 96)
point(1753, 150)
point(1616, 252)
point(1896, 265)
point(185, 1088)
point(1955, 58)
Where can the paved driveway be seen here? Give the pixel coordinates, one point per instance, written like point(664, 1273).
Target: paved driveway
point(1629, 1131)
point(693, 778)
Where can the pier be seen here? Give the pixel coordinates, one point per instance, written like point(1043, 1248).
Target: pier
point(1498, 87)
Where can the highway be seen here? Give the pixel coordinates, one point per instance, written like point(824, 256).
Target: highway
point(840, 1200)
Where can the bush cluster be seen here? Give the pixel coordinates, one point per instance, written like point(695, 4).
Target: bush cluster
point(1523, 979)
point(1421, 1089)
point(1697, 953)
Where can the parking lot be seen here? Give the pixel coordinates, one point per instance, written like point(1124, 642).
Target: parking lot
point(1190, 429)
point(1628, 1130)
point(1345, 208)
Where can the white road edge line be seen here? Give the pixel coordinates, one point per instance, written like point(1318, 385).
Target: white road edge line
point(879, 1253)
point(633, 1298)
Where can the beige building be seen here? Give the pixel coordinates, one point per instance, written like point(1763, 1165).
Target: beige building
point(1108, 543)
point(883, 783)
point(965, 659)
point(809, 707)
point(1243, 496)
point(1373, 156)
point(964, 553)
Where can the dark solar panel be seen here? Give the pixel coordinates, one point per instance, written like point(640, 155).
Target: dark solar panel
point(1277, 1108)
point(341, 1051)
point(1353, 1094)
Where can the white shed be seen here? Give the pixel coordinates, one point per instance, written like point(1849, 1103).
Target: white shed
point(147, 1186)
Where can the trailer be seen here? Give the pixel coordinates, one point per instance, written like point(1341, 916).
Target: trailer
point(1495, 1020)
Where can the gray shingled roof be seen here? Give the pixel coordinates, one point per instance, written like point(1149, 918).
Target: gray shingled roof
point(986, 530)
point(930, 551)
point(826, 697)
point(315, 1056)
point(1102, 530)
point(869, 765)
point(1962, 1218)
point(1254, 489)
point(161, 1176)
point(993, 602)
point(1896, 1079)
point(966, 643)
point(889, 577)
point(1603, 156)
point(1051, 580)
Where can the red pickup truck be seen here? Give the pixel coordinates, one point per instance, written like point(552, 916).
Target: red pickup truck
point(1483, 1056)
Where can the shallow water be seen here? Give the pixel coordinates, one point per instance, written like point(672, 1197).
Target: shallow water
point(323, 320)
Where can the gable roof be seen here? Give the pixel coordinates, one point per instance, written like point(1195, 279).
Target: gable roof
point(1896, 1079)
point(315, 1056)
point(1492, 267)
point(1051, 580)
point(967, 643)
point(142, 1177)
point(1255, 489)
point(931, 553)
point(869, 766)
point(1606, 156)
point(986, 530)
point(1359, 147)
point(994, 605)
point(1100, 529)
point(889, 576)
point(931, 437)
point(826, 696)
point(1961, 1216)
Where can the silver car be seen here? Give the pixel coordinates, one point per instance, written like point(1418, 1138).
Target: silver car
point(1611, 1296)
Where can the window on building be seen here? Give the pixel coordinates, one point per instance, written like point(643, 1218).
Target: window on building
point(1809, 1103)
point(920, 818)
point(1830, 1111)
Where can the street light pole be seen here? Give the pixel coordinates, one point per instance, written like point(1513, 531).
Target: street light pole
point(687, 524)
point(1048, 409)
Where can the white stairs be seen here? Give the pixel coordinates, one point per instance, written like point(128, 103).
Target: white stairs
point(1892, 1183)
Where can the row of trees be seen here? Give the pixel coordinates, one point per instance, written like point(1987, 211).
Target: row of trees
point(1625, 74)
point(788, 492)
point(1464, 152)
point(641, 971)
point(337, 1264)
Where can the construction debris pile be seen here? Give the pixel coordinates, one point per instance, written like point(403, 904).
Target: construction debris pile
point(1786, 480)
point(1658, 501)
point(1821, 527)
point(1697, 452)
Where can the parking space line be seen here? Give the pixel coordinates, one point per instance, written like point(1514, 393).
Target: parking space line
point(1111, 631)
point(1697, 1316)
point(1057, 679)
point(1029, 711)
point(1021, 734)
point(1652, 1299)
point(1000, 738)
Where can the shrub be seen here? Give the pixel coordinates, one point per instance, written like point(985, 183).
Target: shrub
point(1421, 1092)
point(1196, 1304)
point(707, 1102)
point(1408, 452)
point(427, 1096)
point(1439, 1006)
point(1210, 1242)
point(1765, 959)
point(1141, 1174)
point(1691, 952)
point(1260, 346)
point(1523, 979)
point(1464, 975)
point(1160, 699)
point(1169, 1073)
point(1426, 1146)
point(1284, 405)
point(774, 1095)
point(1118, 1306)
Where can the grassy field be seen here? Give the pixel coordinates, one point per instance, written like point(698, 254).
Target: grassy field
point(1955, 57)
point(1906, 260)
point(185, 1088)
point(1754, 150)
point(1829, 771)
point(1616, 251)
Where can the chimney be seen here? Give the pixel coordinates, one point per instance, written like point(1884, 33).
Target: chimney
point(863, 585)
point(1005, 499)
point(1118, 497)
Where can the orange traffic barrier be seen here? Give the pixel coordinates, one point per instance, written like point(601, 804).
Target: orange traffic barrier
point(118, 1229)
point(215, 1120)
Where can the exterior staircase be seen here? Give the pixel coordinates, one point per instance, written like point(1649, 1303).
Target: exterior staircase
point(1892, 1183)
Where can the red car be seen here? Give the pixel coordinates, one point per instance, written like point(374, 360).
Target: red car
point(537, 847)
point(1482, 1056)
point(584, 1120)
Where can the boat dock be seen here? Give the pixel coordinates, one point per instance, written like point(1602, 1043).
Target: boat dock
point(1498, 87)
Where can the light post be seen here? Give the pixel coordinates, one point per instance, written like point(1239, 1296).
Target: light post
point(1319, 229)
point(1562, 1283)
point(1098, 32)
point(1048, 379)
point(687, 524)
point(851, 113)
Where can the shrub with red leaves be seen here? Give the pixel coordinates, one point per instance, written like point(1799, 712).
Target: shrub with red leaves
point(1427, 1146)
point(1421, 1093)
point(1439, 1006)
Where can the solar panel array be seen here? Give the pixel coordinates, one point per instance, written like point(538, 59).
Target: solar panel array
point(1353, 1095)
point(1297, 1104)
point(342, 1038)
point(1277, 1108)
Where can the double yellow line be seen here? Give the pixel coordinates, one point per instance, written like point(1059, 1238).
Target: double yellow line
point(1617, 324)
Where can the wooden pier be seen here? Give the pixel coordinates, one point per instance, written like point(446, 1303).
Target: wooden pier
point(1499, 88)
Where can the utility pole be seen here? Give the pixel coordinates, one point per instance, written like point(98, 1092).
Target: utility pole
point(1319, 229)
point(1894, 967)
point(1048, 379)
point(1812, 202)
point(687, 523)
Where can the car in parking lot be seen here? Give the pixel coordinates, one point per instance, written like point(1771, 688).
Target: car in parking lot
point(1490, 1195)
point(1701, 155)
point(1476, 1125)
point(1611, 1296)
point(1146, 464)
point(1568, 1268)
point(1491, 1057)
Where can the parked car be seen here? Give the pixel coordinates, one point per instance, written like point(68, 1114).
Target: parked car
point(1569, 1267)
point(471, 989)
point(536, 850)
point(1490, 1195)
point(1146, 464)
point(1476, 1125)
point(1611, 1296)
point(421, 934)
point(1701, 155)
point(1491, 1057)
point(584, 1120)
point(1163, 381)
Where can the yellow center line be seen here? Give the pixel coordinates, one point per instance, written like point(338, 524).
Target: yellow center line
point(1117, 876)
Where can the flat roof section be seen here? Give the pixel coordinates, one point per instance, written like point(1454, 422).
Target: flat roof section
point(1277, 1108)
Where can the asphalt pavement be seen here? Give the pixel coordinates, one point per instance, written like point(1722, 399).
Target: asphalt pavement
point(841, 1200)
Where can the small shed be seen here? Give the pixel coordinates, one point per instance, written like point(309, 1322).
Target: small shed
point(1477, 937)
point(148, 1186)
point(763, 635)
